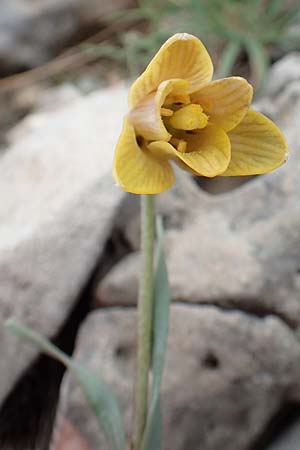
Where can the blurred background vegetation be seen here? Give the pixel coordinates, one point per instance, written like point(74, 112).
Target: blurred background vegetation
point(244, 35)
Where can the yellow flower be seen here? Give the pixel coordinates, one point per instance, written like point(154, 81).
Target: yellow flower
point(178, 114)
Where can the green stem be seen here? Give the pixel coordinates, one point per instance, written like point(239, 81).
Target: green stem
point(144, 316)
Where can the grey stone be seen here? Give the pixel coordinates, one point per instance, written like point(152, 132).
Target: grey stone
point(58, 201)
point(52, 98)
point(283, 72)
point(227, 373)
point(111, 292)
point(171, 205)
point(289, 440)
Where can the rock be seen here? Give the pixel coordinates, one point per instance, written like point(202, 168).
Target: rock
point(119, 287)
point(238, 250)
point(243, 252)
point(52, 98)
point(32, 99)
point(69, 438)
point(287, 106)
point(58, 204)
point(32, 32)
point(289, 440)
point(283, 72)
point(111, 291)
point(236, 371)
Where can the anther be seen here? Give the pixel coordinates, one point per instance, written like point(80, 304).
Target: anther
point(166, 112)
point(180, 144)
point(189, 117)
point(181, 147)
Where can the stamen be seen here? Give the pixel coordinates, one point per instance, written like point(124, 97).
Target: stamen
point(166, 112)
point(189, 117)
point(180, 144)
point(174, 141)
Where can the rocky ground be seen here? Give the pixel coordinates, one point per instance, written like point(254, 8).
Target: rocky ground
point(33, 32)
point(69, 236)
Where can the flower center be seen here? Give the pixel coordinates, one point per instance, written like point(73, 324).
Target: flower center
point(181, 120)
point(189, 118)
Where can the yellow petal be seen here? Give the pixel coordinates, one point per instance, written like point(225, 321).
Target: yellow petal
point(207, 152)
point(138, 171)
point(226, 101)
point(257, 146)
point(162, 150)
point(146, 117)
point(165, 150)
point(182, 56)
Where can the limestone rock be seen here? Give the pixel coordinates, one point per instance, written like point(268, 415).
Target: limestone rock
point(235, 372)
point(69, 438)
point(58, 201)
point(283, 72)
point(289, 440)
point(120, 287)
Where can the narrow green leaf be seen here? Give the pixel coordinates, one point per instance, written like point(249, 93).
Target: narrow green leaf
point(162, 298)
point(98, 394)
point(228, 59)
point(274, 7)
point(259, 62)
point(152, 439)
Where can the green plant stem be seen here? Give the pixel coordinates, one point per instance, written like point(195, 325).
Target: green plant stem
point(145, 307)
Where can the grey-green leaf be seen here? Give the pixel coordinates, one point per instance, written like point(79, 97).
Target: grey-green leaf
point(98, 394)
point(228, 59)
point(162, 298)
point(259, 62)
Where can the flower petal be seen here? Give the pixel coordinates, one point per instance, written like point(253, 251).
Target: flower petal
point(226, 101)
point(165, 150)
point(208, 151)
point(257, 146)
point(182, 56)
point(162, 150)
point(138, 171)
point(146, 117)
